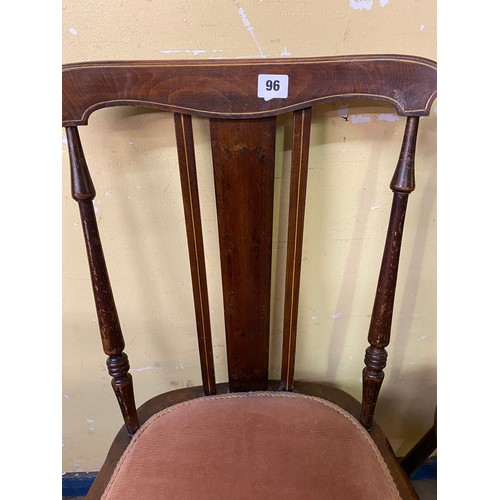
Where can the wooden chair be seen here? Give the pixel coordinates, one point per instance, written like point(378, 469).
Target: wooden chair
point(250, 437)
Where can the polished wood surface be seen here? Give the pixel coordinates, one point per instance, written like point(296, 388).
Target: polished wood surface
point(243, 153)
point(109, 325)
point(379, 334)
point(228, 88)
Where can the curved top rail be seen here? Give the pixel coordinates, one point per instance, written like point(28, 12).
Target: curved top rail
point(229, 88)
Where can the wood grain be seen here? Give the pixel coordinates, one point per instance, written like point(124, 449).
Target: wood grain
point(228, 89)
point(243, 154)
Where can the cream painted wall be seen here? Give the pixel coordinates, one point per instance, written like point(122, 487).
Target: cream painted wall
point(132, 157)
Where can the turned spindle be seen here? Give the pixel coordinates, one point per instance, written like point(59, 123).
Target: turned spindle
point(109, 325)
point(402, 184)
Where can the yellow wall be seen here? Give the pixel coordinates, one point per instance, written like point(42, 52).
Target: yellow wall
point(132, 157)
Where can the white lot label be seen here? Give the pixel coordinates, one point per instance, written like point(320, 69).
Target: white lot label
point(272, 87)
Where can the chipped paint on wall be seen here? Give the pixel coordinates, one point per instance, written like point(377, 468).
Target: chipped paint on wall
point(249, 27)
point(343, 112)
point(365, 4)
point(387, 117)
point(361, 4)
point(360, 119)
point(195, 52)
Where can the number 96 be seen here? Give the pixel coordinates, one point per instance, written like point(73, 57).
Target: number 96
point(273, 85)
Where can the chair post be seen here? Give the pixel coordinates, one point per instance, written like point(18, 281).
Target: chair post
point(111, 336)
point(402, 184)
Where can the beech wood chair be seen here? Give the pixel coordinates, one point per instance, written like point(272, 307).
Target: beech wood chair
point(249, 438)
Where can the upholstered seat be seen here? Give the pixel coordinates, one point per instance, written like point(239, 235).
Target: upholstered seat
point(253, 445)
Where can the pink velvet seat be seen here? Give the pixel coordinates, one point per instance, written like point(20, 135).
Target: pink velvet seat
point(258, 445)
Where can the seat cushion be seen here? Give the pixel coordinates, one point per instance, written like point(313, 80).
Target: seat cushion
point(256, 445)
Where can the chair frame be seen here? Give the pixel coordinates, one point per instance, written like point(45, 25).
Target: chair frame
point(225, 91)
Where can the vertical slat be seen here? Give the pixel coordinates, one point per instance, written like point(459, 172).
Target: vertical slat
point(243, 154)
point(298, 184)
point(402, 184)
point(189, 185)
point(111, 336)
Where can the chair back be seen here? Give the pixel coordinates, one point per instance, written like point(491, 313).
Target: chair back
point(242, 99)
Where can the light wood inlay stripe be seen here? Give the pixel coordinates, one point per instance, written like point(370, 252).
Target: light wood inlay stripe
point(298, 184)
point(189, 186)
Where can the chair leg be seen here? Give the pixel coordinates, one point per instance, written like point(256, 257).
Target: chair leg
point(420, 452)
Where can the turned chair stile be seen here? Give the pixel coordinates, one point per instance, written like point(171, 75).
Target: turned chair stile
point(379, 334)
point(111, 335)
point(243, 145)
